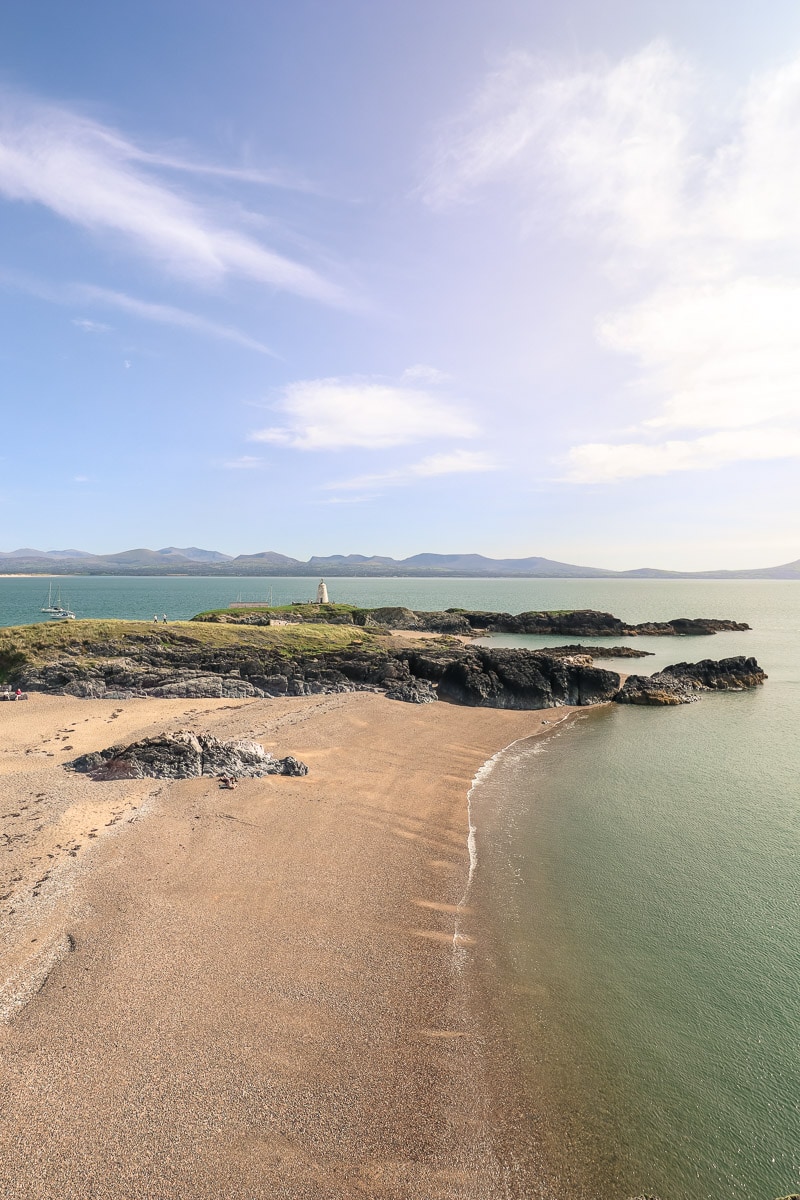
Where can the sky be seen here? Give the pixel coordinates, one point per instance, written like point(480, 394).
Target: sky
point(394, 276)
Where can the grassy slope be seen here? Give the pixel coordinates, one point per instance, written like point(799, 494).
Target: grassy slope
point(36, 644)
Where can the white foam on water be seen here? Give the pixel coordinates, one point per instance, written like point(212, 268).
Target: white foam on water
point(484, 771)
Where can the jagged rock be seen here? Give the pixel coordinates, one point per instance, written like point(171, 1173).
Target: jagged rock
point(655, 689)
point(185, 755)
point(518, 679)
point(727, 675)
point(595, 651)
point(414, 691)
point(677, 684)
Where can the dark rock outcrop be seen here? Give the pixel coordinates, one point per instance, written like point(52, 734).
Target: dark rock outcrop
point(578, 623)
point(415, 691)
point(522, 679)
point(595, 651)
point(679, 683)
point(655, 689)
point(726, 675)
point(185, 755)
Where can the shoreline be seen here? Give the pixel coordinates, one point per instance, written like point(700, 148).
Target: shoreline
point(276, 1005)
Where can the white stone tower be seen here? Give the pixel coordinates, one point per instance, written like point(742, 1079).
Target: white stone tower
point(322, 593)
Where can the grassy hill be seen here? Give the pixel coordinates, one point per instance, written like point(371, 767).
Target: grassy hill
point(35, 645)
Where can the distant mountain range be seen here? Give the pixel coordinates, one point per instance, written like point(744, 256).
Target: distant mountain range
point(191, 560)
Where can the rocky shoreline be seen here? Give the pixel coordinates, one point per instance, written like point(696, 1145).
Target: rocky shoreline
point(92, 660)
point(465, 622)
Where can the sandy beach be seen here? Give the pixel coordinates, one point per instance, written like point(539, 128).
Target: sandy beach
point(271, 992)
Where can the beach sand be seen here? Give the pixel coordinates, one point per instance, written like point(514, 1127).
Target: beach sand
point(256, 993)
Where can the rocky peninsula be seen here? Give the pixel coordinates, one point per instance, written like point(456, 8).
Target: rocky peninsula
point(252, 657)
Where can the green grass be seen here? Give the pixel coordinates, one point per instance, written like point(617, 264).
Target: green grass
point(83, 640)
point(307, 612)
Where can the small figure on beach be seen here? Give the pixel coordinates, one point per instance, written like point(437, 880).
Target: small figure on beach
point(228, 781)
point(164, 618)
point(155, 619)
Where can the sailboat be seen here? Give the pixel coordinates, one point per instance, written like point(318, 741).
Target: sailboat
point(49, 606)
point(56, 610)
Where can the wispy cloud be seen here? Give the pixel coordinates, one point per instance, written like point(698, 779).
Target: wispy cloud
point(167, 314)
point(90, 326)
point(163, 314)
point(246, 462)
point(331, 414)
point(93, 177)
point(692, 202)
point(453, 462)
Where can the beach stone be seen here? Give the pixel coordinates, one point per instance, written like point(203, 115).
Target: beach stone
point(185, 755)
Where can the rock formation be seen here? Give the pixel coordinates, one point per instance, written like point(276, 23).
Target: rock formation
point(678, 684)
point(185, 755)
point(578, 623)
point(595, 651)
point(142, 663)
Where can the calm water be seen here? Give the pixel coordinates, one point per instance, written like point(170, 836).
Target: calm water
point(642, 866)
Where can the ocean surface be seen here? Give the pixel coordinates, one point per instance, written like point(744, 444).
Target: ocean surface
point(642, 869)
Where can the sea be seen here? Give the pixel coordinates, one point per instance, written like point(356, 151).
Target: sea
point(641, 868)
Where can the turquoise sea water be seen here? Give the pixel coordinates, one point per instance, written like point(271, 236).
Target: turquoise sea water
point(643, 871)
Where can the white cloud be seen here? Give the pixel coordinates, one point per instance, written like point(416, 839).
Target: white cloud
point(93, 177)
point(331, 414)
point(603, 462)
point(612, 138)
point(454, 462)
point(692, 200)
point(80, 478)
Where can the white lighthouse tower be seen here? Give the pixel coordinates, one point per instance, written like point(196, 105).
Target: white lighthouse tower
point(322, 593)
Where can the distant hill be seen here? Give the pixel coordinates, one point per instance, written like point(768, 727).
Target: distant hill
point(192, 560)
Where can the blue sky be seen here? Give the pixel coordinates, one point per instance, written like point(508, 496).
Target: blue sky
point(386, 277)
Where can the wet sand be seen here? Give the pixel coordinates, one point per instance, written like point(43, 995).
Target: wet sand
point(257, 993)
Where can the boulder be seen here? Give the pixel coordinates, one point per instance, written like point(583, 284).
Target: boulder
point(185, 755)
